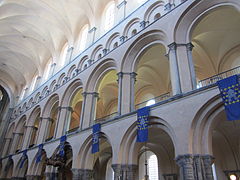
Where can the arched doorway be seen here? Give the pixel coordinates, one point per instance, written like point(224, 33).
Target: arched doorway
point(153, 76)
point(154, 158)
point(225, 147)
point(102, 161)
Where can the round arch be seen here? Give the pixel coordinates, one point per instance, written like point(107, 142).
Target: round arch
point(129, 147)
point(141, 44)
point(194, 13)
point(86, 158)
point(51, 101)
point(38, 169)
point(161, 142)
point(98, 73)
point(21, 168)
point(211, 130)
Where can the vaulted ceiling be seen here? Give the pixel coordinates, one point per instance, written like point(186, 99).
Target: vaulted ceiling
point(33, 31)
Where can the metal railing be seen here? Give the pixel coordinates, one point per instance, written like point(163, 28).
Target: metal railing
point(105, 118)
point(156, 99)
point(215, 78)
point(72, 130)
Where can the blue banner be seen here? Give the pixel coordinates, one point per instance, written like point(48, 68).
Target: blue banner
point(142, 124)
point(62, 145)
point(95, 137)
point(23, 158)
point(230, 92)
point(39, 153)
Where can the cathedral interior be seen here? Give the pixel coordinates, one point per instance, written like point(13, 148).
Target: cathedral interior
point(66, 65)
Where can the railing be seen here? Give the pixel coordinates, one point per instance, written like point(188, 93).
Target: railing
point(215, 78)
point(72, 130)
point(156, 99)
point(105, 118)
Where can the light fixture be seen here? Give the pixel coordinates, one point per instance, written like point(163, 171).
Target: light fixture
point(150, 102)
point(233, 177)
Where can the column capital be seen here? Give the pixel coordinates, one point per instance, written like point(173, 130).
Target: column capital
point(48, 118)
point(172, 46)
point(69, 108)
point(124, 2)
point(95, 94)
point(92, 30)
point(189, 46)
point(17, 133)
point(184, 159)
point(86, 174)
point(133, 75)
point(27, 126)
point(208, 159)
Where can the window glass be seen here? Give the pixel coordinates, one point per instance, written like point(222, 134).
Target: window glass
point(109, 17)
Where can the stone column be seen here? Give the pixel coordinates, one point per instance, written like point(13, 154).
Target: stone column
point(28, 135)
point(51, 175)
point(174, 69)
point(43, 129)
point(15, 143)
point(120, 77)
point(121, 10)
point(189, 47)
point(117, 171)
point(207, 162)
point(130, 171)
point(185, 162)
point(198, 167)
point(89, 109)
point(38, 82)
point(186, 67)
point(125, 172)
point(52, 70)
point(92, 34)
point(126, 92)
point(63, 119)
point(6, 146)
point(82, 174)
point(69, 54)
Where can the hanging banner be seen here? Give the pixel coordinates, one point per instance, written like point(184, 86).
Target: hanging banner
point(39, 153)
point(62, 145)
point(95, 137)
point(142, 124)
point(230, 92)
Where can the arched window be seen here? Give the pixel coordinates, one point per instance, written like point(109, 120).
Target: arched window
point(33, 85)
point(24, 91)
point(109, 16)
point(150, 159)
point(47, 70)
point(64, 55)
point(83, 37)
